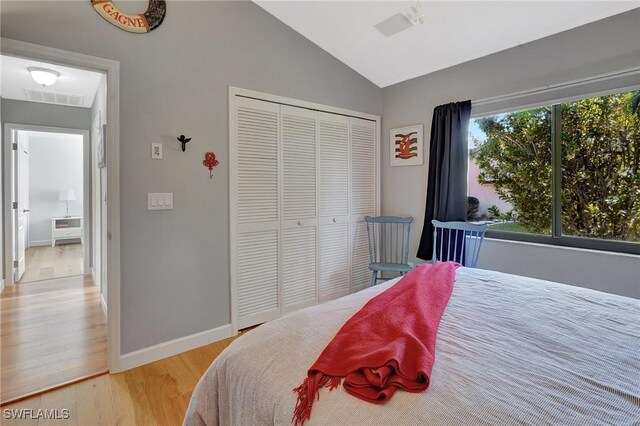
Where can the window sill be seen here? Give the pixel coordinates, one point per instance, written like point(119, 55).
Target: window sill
point(589, 244)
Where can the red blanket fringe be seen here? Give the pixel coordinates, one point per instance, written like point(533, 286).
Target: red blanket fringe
point(308, 392)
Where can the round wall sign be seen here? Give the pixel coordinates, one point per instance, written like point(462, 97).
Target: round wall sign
point(141, 23)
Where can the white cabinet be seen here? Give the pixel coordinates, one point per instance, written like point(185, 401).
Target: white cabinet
point(299, 265)
point(299, 208)
point(255, 246)
point(301, 182)
point(362, 155)
point(334, 260)
point(66, 228)
point(333, 136)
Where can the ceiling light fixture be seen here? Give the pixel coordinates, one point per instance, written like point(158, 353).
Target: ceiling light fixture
point(43, 76)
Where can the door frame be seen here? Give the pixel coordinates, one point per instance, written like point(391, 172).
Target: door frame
point(17, 189)
point(9, 128)
point(112, 70)
point(96, 209)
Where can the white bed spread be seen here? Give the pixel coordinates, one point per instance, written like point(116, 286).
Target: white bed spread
point(510, 350)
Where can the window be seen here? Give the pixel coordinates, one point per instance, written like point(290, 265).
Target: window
point(566, 174)
point(509, 155)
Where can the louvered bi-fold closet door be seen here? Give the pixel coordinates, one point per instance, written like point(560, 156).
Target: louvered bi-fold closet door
point(333, 139)
point(363, 196)
point(299, 208)
point(255, 221)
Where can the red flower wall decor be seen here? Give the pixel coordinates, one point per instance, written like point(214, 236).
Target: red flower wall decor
point(210, 162)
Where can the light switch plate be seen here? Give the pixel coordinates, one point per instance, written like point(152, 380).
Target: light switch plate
point(160, 201)
point(156, 151)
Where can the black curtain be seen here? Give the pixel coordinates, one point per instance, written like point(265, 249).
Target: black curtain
point(447, 184)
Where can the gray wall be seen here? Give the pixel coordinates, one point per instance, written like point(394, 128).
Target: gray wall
point(174, 80)
point(616, 273)
point(38, 114)
point(604, 46)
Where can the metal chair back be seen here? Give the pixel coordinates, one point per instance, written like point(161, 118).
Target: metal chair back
point(458, 242)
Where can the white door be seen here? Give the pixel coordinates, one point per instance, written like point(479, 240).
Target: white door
point(255, 218)
point(22, 199)
point(333, 139)
point(363, 196)
point(299, 208)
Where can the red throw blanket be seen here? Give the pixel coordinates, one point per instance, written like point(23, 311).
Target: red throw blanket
point(388, 344)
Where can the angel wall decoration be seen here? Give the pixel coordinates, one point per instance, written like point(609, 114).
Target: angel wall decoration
point(182, 139)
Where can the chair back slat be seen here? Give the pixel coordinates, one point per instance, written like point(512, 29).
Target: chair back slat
point(388, 238)
point(458, 241)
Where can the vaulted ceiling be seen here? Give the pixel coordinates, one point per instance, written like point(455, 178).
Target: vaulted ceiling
point(453, 31)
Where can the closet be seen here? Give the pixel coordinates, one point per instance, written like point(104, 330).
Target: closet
point(301, 181)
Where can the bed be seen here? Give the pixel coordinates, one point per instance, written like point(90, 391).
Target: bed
point(510, 350)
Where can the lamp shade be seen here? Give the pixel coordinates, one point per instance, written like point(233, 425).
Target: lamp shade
point(67, 195)
point(43, 76)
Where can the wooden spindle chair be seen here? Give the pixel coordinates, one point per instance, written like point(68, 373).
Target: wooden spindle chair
point(458, 242)
point(388, 245)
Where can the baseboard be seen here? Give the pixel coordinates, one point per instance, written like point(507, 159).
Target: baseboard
point(39, 243)
point(174, 347)
point(92, 272)
point(103, 303)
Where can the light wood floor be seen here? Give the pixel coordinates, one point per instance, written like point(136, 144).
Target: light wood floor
point(154, 394)
point(46, 262)
point(51, 332)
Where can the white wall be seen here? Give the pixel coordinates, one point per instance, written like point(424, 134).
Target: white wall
point(601, 47)
point(55, 164)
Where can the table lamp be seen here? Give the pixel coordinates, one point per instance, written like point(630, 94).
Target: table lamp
point(66, 196)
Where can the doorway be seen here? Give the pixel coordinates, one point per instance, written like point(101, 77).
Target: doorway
point(54, 315)
point(111, 214)
point(51, 215)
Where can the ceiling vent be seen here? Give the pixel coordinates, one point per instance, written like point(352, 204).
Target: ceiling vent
point(54, 98)
point(400, 22)
point(394, 25)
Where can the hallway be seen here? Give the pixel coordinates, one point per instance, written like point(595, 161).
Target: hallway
point(53, 332)
point(47, 263)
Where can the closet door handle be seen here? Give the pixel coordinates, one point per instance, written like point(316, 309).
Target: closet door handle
point(25, 210)
point(299, 223)
point(335, 220)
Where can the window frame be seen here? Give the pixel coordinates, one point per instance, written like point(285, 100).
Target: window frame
point(557, 238)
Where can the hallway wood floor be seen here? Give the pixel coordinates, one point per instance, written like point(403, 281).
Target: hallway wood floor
point(154, 394)
point(52, 332)
point(46, 262)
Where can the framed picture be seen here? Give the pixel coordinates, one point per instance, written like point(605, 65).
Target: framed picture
point(102, 147)
point(406, 145)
